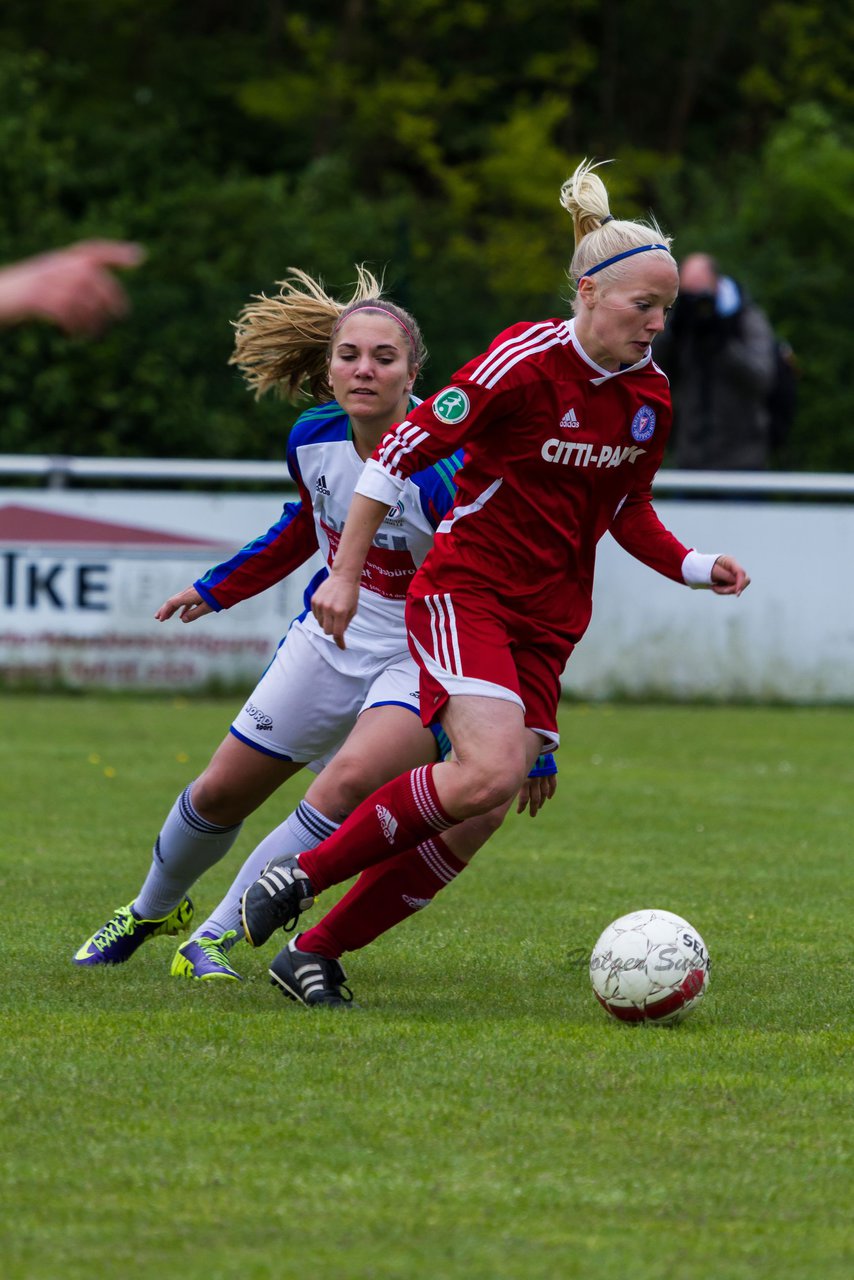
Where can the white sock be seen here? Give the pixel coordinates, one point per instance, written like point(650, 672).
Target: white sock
point(303, 829)
point(185, 848)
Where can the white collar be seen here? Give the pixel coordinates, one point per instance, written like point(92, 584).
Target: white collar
point(604, 374)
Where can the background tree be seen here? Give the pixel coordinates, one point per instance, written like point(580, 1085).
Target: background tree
point(431, 139)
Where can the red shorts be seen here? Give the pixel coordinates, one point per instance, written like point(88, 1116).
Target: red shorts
point(464, 644)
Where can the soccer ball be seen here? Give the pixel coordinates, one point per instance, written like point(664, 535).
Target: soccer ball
point(650, 966)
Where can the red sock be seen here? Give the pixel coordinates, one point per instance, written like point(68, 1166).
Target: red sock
point(383, 896)
point(398, 816)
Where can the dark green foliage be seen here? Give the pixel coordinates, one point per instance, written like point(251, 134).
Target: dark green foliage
point(427, 139)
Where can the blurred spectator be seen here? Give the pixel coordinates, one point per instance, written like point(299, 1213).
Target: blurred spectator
point(720, 353)
point(74, 287)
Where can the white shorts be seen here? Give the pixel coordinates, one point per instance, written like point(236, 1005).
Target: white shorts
point(312, 693)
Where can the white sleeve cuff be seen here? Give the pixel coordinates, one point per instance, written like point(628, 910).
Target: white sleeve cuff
point(375, 482)
point(697, 568)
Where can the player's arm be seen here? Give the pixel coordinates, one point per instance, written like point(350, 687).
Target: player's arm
point(424, 438)
point(335, 601)
point(638, 529)
point(407, 448)
point(261, 564)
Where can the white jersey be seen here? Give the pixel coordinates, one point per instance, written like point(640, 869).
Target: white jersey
point(311, 694)
point(325, 466)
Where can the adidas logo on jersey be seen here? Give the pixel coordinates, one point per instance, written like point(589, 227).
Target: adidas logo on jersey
point(388, 822)
point(320, 486)
point(569, 422)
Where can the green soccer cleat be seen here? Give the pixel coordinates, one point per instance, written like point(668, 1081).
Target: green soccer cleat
point(119, 938)
point(205, 958)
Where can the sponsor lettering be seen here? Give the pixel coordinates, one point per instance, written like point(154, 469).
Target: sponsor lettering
point(260, 717)
point(28, 584)
point(579, 454)
point(388, 541)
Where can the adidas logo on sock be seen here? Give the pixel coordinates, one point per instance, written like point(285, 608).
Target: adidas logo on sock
point(417, 904)
point(388, 822)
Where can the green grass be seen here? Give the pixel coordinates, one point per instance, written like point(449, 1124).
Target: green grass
point(480, 1118)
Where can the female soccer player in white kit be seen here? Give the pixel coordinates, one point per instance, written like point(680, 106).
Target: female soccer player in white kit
point(313, 692)
point(564, 425)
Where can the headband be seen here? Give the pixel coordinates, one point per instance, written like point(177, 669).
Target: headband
point(376, 306)
point(628, 253)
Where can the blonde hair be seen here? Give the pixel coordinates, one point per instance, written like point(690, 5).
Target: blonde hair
point(600, 236)
point(283, 343)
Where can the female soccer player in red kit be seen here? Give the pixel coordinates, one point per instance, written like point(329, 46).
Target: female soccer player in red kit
point(564, 424)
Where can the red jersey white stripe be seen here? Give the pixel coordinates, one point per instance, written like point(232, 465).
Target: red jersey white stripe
point(402, 440)
point(539, 342)
point(504, 349)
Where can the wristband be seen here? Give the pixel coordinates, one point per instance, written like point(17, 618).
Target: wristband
point(697, 568)
point(544, 767)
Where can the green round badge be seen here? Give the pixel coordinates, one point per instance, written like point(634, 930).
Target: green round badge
point(451, 405)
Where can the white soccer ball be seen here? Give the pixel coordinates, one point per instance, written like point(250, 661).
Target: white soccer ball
point(650, 966)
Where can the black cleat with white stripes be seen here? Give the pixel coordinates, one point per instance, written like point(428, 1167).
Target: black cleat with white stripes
point(309, 978)
point(275, 901)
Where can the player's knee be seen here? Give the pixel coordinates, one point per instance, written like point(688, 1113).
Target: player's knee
point(215, 798)
point(488, 823)
point(489, 789)
point(477, 831)
point(346, 783)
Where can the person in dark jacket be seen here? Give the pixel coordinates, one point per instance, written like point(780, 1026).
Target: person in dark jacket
point(718, 351)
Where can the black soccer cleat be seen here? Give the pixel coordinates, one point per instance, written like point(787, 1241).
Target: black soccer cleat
point(311, 979)
point(275, 900)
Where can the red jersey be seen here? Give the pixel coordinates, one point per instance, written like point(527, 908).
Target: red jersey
point(557, 451)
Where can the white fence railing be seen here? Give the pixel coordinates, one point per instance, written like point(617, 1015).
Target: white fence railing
point(59, 470)
point(84, 564)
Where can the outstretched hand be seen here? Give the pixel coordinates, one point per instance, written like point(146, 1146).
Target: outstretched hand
point(728, 577)
point(190, 603)
point(74, 287)
point(535, 792)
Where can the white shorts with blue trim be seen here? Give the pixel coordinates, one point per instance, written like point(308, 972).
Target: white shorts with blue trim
point(312, 693)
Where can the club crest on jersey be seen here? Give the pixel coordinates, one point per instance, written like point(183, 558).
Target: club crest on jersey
point(569, 422)
point(643, 423)
point(451, 405)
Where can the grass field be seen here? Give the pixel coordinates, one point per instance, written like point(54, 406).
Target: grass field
point(480, 1118)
